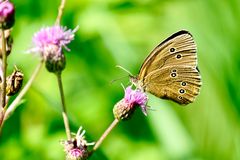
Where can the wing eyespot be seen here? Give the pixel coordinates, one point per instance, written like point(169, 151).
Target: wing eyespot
point(173, 74)
point(183, 83)
point(182, 91)
point(172, 49)
point(178, 56)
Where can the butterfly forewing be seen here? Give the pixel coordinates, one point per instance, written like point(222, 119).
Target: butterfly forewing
point(180, 46)
point(170, 71)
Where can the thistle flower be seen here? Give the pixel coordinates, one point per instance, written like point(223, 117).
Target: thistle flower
point(132, 99)
point(57, 36)
point(76, 148)
point(7, 13)
point(49, 42)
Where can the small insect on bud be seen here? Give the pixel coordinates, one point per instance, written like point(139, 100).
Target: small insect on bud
point(14, 82)
point(7, 14)
point(125, 108)
point(9, 42)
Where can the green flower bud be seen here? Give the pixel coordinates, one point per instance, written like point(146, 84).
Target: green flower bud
point(123, 110)
point(56, 64)
point(55, 60)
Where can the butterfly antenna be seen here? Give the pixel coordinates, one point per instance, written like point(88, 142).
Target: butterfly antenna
point(123, 86)
point(118, 66)
point(117, 79)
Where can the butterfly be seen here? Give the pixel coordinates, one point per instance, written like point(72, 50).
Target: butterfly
point(170, 71)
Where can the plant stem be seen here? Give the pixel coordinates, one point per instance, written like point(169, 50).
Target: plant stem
point(105, 134)
point(2, 115)
point(16, 101)
point(4, 75)
point(60, 12)
point(4, 69)
point(64, 110)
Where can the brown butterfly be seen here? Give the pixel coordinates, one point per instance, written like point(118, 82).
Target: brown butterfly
point(170, 70)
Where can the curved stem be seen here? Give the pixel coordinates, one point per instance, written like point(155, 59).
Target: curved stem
point(4, 69)
point(60, 12)
point(64, 110)
point(16, 101)
point(2, 115)
point(105, 134)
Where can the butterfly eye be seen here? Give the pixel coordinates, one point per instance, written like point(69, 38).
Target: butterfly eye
point(183, 83)
point(181, 91)
point(179, 56)
point(172, 49)
point(173, 74)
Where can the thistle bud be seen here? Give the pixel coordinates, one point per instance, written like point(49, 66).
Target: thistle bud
point(55, 63)
point(123, 110)
point(77, 154)
point(132, 99)
point(76, 148)
point(7, 13)
point(14, 82)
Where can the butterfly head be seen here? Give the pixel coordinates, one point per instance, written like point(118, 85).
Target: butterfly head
point(136, 82)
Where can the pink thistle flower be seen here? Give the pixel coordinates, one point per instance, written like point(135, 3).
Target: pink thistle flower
point(76, 154)
point(132, 99)
point(136, 97)
point(6, 8)
point(55, 37)
point(7, 13)
point(76, 148)
point(49, 42)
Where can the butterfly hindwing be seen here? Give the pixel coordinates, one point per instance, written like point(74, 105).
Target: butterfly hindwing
point(181, 84)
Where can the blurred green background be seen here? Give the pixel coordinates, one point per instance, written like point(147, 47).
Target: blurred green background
point(123, 32)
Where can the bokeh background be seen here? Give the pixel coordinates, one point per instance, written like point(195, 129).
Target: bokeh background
point(123, 32)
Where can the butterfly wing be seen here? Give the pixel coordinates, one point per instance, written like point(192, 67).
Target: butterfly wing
point(170, 71)
point(180, 84)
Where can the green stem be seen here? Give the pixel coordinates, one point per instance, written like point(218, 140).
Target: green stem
point(16, 101)
point(105, 134)
point(4, 69)
point(2, 115)
point(60, 12)
point(64, 110)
